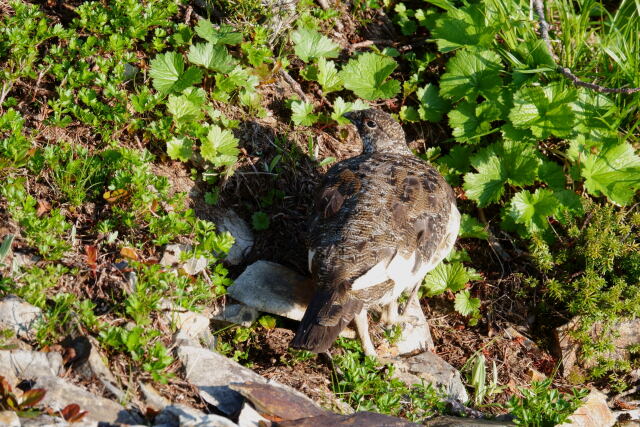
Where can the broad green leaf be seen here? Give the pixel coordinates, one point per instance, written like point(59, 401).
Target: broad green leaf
point(463, 26)
point(180, 148)
point(188, 106)
point(168, 74)
point(471, 120)
point(409, 114)
point(211, 56)
point(302, 113)
point(458, 159)
point(471, 227)
point(532, 210)
point(472, 73)
point(465, 304)
point(595, 114)
point(500, 163)
point(340, 107)
point(220, 147)
point(569, 205)
point(367, 76)
point(260, 221)
point(328, 76)
point(432, 106)
point(613, 172)
point(552, 174)
point(225, 34)
point(545, 110)
point(310, 44)
point(446, 276)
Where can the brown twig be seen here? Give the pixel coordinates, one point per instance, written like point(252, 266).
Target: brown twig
point(294, 84)
point(538, 6)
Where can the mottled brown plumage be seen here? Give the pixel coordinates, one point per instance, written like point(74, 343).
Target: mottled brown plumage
point(382, 220)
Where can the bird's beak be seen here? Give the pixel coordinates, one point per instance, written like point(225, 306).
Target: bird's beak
point(354, 117)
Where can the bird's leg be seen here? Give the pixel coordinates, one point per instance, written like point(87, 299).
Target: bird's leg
point(362, 327)
point(414, 295)
point(390, 313)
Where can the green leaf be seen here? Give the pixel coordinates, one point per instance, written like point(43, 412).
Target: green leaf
point(545, 110)
point(465, 304)
point(552, 174)
point(267, 322)
point(532, 210)
point(613, 172)
point(570, 205)
point(310, 44)
point(260, 220)
point(471, 227)
point(340, 107)
point(367, 76)
point(470, 120)
point(211, 56)
point(180, 148)
point(451, 276)
point(472, 73)
point(432, 106)
point(328, 76)
point(220, 147)
point(458, 159)
point(188, 106)
point(463, 26)
point(302, 113)
point(500, 163)
point(168, 74)
point(226, 34)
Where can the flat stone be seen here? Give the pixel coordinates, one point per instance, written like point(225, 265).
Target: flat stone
point(212, 373)
point(95, 367)
point(191, 326)
point(278, 401)
point(21, 364)
point(593, 413)
point(152, 398)
point(249, 417)
point(273, 288)
point(9, 419)
point(49, 421)
point(172, 254)
point(239, 314)
point(61, 393)
point(432, 369)
point(628, 332)
point(241, 232)
point(19, 316)
point(357, 419)
point(184, 416)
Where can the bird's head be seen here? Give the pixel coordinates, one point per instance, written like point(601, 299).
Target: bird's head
point(379, 131)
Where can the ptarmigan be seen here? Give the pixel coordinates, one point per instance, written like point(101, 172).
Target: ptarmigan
point(382, 220)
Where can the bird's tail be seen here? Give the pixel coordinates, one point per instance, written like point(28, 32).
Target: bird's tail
point(328, 313)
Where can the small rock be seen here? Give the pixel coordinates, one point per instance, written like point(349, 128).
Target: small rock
point(273, 288)
point(239, 314)
point(415, 332)
point(628, 334)
point(20, 260)
point(19, 316)
point(153, 399)
point(278, 401)
point(60, 394)
point(241, 232)
point(95, 367)
point(448, 421)
point(249, 417)
point(432, 369)
point(212, 373)
point(9, 419)
point(628, 415)
point(191, 326)
point(172, 254)
point(593, 413)
point(357, 419)
point(183, 416)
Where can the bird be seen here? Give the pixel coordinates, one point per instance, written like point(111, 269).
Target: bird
point(381, 221)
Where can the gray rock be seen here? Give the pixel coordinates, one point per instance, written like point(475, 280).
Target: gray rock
point(95, 367)
point(60, 394)
point(21, 364)
point(19, 316)
point(415, 334)
point(593, 413)
point(628, 332)
point(249, 417)
point(183, 416)
point(432, 369)
point(239, 314)
point(212, 373)
point(9, 419)
point(448, 421)
point(241, 232)
point(49, 421)
point(273, 288)
point(192, 327)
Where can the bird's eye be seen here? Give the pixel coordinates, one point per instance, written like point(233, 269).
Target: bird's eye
point(371, 124)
